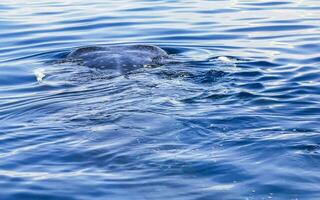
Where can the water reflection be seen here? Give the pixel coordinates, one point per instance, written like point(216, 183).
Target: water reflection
point(237, 118)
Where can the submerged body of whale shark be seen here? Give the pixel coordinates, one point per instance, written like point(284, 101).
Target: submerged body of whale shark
point(122, 58)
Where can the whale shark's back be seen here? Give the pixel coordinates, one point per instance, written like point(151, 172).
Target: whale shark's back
point(126, 57)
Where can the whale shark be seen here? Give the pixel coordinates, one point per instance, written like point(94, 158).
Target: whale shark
point(122, 58)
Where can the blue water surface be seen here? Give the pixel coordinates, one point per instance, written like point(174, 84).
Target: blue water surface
point(238, 118)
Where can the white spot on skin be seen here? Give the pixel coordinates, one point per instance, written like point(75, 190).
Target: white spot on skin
point(39, 73)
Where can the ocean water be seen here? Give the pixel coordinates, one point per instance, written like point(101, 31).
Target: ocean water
point(238, 118)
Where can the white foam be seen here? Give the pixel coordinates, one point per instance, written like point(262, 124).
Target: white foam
point(39, 73)
point(224, 59)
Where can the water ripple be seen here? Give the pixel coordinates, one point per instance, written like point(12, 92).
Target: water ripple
point(237, 117)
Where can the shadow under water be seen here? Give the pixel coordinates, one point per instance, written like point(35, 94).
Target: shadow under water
point(236, 116)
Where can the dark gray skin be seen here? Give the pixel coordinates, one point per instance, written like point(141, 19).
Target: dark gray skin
point(122, 58)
